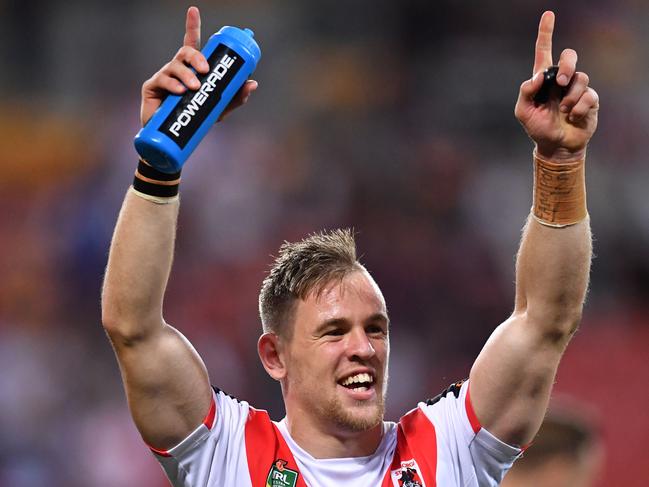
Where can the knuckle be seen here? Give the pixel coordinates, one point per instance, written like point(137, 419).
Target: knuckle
point(580, 108)
point(179, 70)
point(583, 78)
point(570, 99)
point(525, 86)
point(578, 114)
point(167, 68)
point(188, 75)
point(152, 82)
point(147, 84)
point(197, 57)
point(591, 96)
point(518, 112)
point(185, 52)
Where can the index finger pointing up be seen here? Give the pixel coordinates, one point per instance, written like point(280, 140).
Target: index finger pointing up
point(543, 52)
point(193, 28)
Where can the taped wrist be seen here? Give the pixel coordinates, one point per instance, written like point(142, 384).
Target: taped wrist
point(559, 192)
point(156, 184)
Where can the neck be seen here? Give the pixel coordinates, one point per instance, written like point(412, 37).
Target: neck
point(330, 441)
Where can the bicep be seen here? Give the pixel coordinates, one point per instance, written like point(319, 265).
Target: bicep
point(512, 378)
point(166, 383)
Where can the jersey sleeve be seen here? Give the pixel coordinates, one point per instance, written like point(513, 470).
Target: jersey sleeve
point(467, 453)
point(213, 451)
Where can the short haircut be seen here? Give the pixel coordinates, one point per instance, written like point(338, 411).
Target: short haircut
point(301, 268)
point(566, 434)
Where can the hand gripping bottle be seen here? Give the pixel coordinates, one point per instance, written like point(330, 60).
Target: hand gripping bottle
point(181, 121)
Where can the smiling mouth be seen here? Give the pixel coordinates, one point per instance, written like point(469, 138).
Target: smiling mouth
point(359, 382)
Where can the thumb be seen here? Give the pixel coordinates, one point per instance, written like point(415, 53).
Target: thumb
point(531, 86)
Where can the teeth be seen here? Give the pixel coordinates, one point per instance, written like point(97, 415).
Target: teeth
point(358, 379)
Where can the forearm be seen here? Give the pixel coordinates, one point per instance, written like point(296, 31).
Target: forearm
point(138, 268)
point(552, 273)
point(512, 378)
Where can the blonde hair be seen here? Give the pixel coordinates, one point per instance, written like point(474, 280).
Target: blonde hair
point(300, 268)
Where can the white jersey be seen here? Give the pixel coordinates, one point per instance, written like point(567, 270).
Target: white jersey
point(439, 443)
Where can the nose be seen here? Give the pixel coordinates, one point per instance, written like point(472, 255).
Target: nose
point(359, 345)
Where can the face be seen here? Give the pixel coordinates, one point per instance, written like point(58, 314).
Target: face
point(336, 360)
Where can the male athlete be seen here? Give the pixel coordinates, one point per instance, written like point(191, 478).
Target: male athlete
point(326, 329)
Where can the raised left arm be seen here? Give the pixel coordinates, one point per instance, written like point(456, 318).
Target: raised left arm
point(512, 377)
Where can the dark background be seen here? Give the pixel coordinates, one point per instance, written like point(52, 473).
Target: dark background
point(394, 118)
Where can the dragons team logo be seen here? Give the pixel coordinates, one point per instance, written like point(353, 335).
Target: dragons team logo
point(408, 475)
point(280, 476)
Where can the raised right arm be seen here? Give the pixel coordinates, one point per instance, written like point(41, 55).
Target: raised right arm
point(166, 382)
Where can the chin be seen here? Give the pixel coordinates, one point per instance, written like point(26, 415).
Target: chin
point(357, 418)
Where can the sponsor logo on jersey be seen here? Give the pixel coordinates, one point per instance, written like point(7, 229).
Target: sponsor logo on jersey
point(407, 475)
point(280, 476)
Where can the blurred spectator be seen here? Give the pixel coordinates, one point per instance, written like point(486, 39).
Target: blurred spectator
point(567, 452)
point(394, 118)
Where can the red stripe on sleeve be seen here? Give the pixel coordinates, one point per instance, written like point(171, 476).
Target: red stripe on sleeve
point(211, 415)
point(473, 419)
point(162, 453)
point(208, 421)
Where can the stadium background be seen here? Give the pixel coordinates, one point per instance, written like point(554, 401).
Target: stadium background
point(395, 118)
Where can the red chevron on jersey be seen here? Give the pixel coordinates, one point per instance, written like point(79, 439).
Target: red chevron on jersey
point(270, 460)
point(439, 443)
point(416, 440)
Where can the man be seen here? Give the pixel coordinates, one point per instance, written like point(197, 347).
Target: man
point(326, 330)
point(567, 452)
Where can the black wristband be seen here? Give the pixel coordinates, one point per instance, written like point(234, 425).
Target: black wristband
point(152, 173)
point(149, 180)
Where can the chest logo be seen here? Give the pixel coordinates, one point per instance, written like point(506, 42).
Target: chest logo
point(408, 475)
point(280, 476)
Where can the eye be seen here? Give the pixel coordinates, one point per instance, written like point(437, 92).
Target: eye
point(336, 332)
point(375, 330)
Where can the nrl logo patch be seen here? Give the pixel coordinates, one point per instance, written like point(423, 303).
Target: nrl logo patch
point(280, 476)
point(408, 475)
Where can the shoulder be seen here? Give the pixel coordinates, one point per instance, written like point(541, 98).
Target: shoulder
point(453, 405)
point(444, 429)
point(454, 389)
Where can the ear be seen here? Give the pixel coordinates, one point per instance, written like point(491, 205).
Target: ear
point(271, 356)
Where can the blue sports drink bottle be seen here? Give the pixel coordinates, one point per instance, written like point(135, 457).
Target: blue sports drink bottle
point(181, 121)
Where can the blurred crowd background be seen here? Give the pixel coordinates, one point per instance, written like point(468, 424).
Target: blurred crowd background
point(394, 118)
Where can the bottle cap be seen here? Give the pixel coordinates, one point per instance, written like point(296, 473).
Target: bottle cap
point(244, 38)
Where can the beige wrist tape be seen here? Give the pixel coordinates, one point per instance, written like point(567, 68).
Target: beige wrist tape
point(160, 200)
point(559, 192)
